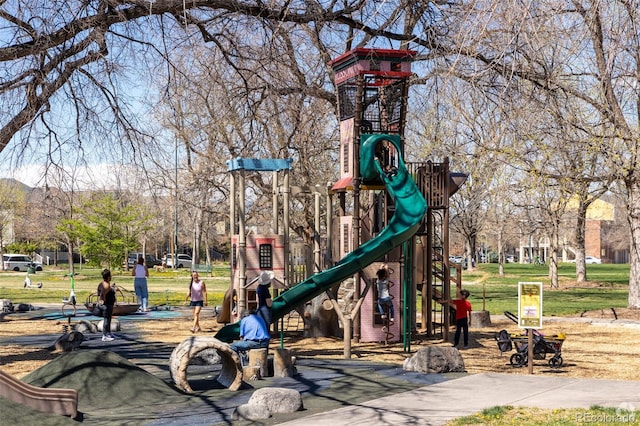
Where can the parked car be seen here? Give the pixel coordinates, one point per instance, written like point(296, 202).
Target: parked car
point(19, 263)
point(149, 260)
point(589, 260)
point(183, 261)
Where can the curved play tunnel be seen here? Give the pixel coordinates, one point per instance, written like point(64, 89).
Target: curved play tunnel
point(231, 370)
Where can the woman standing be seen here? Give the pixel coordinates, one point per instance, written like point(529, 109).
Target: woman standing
point(198, 295)
point(264, 296)
point(140, 274)
point(107, 298)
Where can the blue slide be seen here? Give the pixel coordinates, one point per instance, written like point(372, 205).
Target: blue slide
point(410, 209)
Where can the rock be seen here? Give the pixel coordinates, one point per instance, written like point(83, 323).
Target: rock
point(266, 401)
point(115, 325)
point(277, 400)
point(250, 412)
point(86, 327)
point(68, 342)
point(435, 359)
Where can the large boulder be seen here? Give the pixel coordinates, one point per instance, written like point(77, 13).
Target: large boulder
point(251, 412)
point(435, 359)
point(266, 401)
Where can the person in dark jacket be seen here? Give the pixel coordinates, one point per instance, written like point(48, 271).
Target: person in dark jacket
point(107, 298)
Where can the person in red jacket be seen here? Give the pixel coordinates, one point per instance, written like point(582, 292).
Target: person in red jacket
point(463, 316)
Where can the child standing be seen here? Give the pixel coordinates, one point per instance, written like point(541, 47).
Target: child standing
point(198, 295)
point(463, 316)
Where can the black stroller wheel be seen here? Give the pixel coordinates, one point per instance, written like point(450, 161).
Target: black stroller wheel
point(517, 360)
point(556, 361)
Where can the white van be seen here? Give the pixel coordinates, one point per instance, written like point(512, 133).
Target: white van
point(19, 263)
point(184, 261)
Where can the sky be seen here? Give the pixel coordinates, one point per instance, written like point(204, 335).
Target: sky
point(96, 176)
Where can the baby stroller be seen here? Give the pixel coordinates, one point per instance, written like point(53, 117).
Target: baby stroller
point(542, 345)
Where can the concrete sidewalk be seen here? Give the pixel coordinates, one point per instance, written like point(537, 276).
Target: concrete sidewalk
point(442, 402)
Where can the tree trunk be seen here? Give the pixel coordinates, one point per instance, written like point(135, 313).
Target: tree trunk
point(581, 269)
point(633, 212)
point(1, 250)
point(70, 254)
point(553, 255)
point(501, 256)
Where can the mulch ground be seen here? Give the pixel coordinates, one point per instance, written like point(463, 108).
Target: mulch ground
point(597, 345)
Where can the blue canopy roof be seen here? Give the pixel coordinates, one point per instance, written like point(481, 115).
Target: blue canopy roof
point(261, 165)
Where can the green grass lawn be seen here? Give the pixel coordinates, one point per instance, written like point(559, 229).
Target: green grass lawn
point(164, 287)
point(508, 415)
point(608, 287)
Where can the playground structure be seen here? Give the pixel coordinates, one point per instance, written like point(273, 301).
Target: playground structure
point(387, 212)
point(381, 216)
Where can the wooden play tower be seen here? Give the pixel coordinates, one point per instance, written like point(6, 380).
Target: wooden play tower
point(372, 87)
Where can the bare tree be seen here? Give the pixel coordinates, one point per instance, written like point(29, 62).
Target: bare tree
point(68, 65)
point(12, 205)
point(578, 55)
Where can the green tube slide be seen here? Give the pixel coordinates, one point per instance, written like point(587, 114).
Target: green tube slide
point(410, 209)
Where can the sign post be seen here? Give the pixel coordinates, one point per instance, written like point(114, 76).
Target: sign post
point(530, 313)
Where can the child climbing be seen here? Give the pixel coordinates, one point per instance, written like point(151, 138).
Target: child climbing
point(384, 297)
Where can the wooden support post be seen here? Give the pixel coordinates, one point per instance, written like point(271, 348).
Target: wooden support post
point(283, 363)
point(250, 373)
point(258, 358)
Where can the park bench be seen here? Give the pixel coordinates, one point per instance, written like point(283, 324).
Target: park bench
point(202, 268)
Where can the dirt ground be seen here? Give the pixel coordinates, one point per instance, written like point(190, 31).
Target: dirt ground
point(596, 345)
